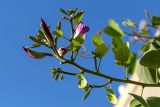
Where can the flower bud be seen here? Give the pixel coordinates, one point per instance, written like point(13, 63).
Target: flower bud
point(34, 54)
point(46, 30)
point(62, 51)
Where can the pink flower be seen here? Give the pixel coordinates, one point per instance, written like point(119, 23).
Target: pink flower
point(81, 29)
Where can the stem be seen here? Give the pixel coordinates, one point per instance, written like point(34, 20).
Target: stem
point(142, 91)
point(95, 64)
point(72, 35)
point(109, 77)
point(99, 65)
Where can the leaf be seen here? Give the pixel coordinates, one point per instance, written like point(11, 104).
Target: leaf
point(135, 103)
point(113, 29)
point(77, 43)
point(101, 50)
point(82, 83)
point(63, 11)
point(87, 94)
point(145, 47)
point(97, 40)
point(111, 96)
point(78, 17)
point(155, 20)
point(58, 33)
point(132, 63)
point(122, 55)
point(36, 40)
point(153, 101)
point(151, 59)
point(35, 45)
point(57, 76)
point(140, 99)
point(129, 23)
point(116, 44)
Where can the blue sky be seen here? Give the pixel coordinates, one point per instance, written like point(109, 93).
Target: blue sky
point(25, 82)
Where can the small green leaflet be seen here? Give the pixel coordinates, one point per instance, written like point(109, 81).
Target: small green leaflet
point(97, 40)
point(129, 23)
point(58, 33)
point(101, 50)
point(82, 83)
point(111, 96)
point(78, 17)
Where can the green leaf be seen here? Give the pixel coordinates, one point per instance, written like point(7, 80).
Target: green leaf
point(87, 94)
point(129, 23)
point(135, 103)
point(57, 76)
point(35, 40)
point(97, 40)
point(101, 50)
point(78, 17)
point(116, 44)
point(145, 47)
point(140, 99)
point(153, 101)
point(122, 55)
point(82, 83)
point(155, 20)
point(35, 45)
point(111, 96)
point(151, 59)
point(77, 43)
point(132, 63)
point(58, 33)
point(113, 29)
point(64, 11)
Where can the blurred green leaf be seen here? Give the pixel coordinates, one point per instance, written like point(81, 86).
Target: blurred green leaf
point(122, 55)
point(135, 103)
point(155, 20)
point(97, 40)
point(78, 17)
point(58, 33)
point(145, 47)
point(82, 83)
point(132, 63)
point(151, 59)
point(77, 43)
point(140, 99)
point(111, 96)
point(101, 50)
point(113, 29)
point(116, 44)
point(153, 101)
point(129, 23)
point(156, 45)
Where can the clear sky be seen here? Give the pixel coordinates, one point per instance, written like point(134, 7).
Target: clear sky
point(25, 82)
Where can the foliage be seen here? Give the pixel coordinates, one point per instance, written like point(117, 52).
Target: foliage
point(123, 55)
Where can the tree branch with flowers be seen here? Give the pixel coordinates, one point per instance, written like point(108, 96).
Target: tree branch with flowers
point(123, 55)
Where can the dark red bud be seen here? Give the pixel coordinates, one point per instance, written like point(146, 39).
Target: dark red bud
point(45, 29)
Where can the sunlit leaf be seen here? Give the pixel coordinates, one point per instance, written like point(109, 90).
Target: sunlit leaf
point(129, 23)
point(58, 33)
point(77, 43)
point(97, 40)
point(113, 29)
point(82, 83)
point(116, 44)
point(78, 17)
point(101, 50)
point(122, 55)
point(111, 96)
